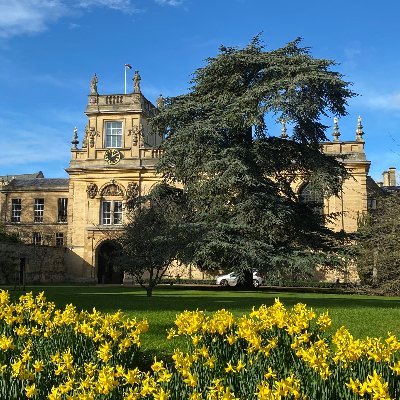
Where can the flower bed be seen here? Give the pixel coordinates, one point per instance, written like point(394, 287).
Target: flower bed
point(272, 353)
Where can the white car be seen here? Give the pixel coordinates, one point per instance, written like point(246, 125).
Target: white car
point(231, 279)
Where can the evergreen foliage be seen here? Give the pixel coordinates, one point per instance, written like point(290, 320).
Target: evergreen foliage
point(378, 245)
point(238, 176)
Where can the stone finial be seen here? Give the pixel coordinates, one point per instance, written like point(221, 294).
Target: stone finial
point(75, 140)
point(336, 132)
point(93, 84)
point(283, 129)
point(359, 131)
point(136, 82)
point(160, 102)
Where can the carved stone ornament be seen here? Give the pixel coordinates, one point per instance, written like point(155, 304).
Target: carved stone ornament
point(92, 136)
point(336, 132)
point(136, 101)
point(136, 82)
point(160, 102)
point(112, 190)
point(93, 84)
point(75, 140)
point(136, 131)
point(85, 137)
point(359, 131)
point(132, 191)
point(93, 100)
point(92, 190)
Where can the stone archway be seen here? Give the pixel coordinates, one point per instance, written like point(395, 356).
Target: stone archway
point(106, 271)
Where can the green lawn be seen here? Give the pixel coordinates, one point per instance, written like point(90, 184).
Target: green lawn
point(363, 315)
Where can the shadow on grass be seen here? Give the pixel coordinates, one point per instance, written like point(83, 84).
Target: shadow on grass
point(130, 299)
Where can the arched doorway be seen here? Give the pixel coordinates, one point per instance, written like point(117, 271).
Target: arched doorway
point(106, 255)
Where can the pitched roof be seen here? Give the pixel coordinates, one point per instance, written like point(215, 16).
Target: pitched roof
point(8, 178)
point(38, 184)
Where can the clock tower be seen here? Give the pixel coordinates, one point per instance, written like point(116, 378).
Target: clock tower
point(115, 163)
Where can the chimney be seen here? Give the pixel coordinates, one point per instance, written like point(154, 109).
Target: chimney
point(392, 176)
point(385, 178)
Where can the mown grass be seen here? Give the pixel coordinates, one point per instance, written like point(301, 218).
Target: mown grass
point(363, 315)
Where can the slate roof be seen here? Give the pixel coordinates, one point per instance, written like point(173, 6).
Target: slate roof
point(391, 189)
point(373, 188)
point(38, 184)
point(8, 178)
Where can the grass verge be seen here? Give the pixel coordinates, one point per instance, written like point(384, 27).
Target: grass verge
point(362, 315)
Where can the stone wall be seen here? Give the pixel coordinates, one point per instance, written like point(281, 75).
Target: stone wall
point(22, 263)
point(332, 275)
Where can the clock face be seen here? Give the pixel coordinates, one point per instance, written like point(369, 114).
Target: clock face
point(112, 156)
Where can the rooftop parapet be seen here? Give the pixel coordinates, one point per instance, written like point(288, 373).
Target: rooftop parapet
point(119, 103)
point(346, 150)
point(133, 102)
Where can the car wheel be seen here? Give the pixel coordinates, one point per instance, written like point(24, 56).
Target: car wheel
point(256, 283)
point(224, 282)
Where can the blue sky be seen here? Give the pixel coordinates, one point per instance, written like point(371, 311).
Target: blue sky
point(50, 49)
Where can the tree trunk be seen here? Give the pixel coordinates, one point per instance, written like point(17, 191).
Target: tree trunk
point(247, 281)
point(149, 291)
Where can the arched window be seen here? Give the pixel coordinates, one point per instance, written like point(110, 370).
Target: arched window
point(313, 196)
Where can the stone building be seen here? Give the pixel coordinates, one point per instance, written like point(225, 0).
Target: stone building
point(114, 163)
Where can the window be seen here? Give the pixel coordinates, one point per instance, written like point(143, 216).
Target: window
point(117, 212)
point(37, 238)
point(62, 210)
point(113, 136)
point(111, 212)
point(106, 212)
point(59, 239)
point(313, 196)
point(38, 210)
point(16, 210)
point(371, 203)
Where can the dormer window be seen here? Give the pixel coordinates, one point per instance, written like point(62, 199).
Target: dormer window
point(113, 134)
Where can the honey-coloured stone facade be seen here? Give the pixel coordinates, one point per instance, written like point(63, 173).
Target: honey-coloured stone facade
point(115, 161)
point(40, 213)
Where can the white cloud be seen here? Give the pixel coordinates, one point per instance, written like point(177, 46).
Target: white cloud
point(386, 101)
point(51, 80)
point(122, 5)
point(73, 25)
point(33, 141)
point(170, 2)
point(352, 53)
point(28, 147)
point(19, 17)
point(28, 16)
